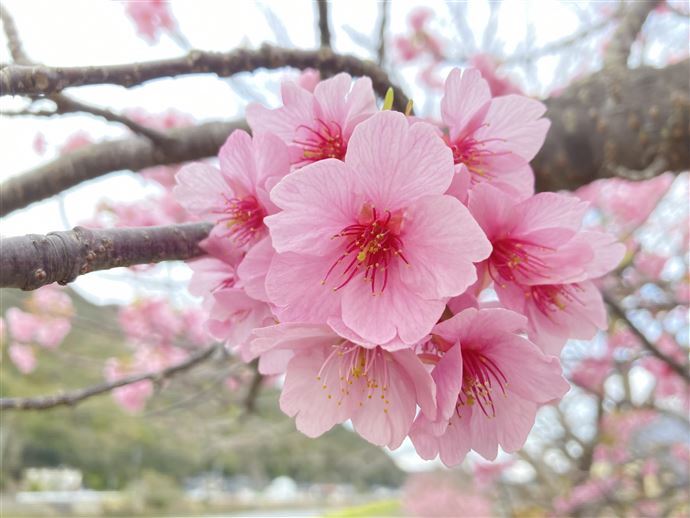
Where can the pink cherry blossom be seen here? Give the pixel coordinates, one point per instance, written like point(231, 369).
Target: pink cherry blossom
point(317, 125)
point(490, 382)
point(591, 373)
point(23, 357)
point(309, 78)
point(75, 141)
point(151, 17)
point(668, 383)
point(22, 325)
point(331, 378)
point(498, 84)
point(427, 495)
point(422, 41)
point(233, 312)
point(373, 241)
point(235, 197)
point(492, 139)
point(130, 397)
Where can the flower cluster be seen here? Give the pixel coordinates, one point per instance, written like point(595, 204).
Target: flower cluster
point(402, 275)
point(45, 321)
point(160, 336)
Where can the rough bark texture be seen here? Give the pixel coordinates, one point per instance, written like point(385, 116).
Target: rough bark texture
point(635, 128)
point(32, 261)
point(43, 80)
point(593, 135)
point(133, 153)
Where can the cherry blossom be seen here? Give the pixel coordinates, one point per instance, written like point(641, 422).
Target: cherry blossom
point(490, 382)
point(317, 125)
point(372, 240)
point(332, 378)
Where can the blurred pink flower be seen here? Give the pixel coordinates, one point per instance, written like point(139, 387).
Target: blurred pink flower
point(23, 357)
point(132, 397)
point(428, 495)
point(75, 141)
point(498, 84)
point(151, 17)
point(379, 219)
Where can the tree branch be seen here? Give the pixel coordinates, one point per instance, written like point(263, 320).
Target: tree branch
point(37, 80)
point(32, 261)
point(76, 396)
point(592, 137)
point(13, 41)
point(324, 29)
point(619, 312)
point(66, 104)
point(132, 153)
point(383, 22)
point(634, 15)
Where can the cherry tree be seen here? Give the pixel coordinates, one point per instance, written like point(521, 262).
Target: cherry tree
point(493, 256)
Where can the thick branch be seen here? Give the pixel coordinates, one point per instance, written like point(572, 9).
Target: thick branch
point(619, 312)
point(645, 130)
point(32, 261)
point(324, 29)
point(35, 80)
point(133, 153)
point(76, 396)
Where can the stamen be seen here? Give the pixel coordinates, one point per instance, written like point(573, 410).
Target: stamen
point(478, 377)
point(243, 217)
point(473, 153)
point(513, 257)
point(551, 298)
point(323, 141)
point(371, 244)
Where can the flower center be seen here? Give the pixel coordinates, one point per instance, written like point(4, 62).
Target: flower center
point(371, 244)
point(357, 369)
point(511, 258)
point(550, 298)
point(243, 217)
point(473, 154)
point(480, 376)
point(323, 141)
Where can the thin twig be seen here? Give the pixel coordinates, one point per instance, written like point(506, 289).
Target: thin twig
point(13, 41)
point(383, 23)
point(76, 396)
point(634, 15)
point(68, 105)
point(619, 312)
point(324, 29)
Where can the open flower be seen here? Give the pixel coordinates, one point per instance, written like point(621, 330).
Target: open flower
point(235, 197)
point(492, 140)
point(490, 382)
point(317, 125)
point(332, 378)
point(372, 241)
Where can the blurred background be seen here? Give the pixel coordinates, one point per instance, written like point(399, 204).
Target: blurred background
point(211, 440)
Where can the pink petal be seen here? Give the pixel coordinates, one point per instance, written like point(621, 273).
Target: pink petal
point(294, 283)
point(398, 311)
point(317, 202)
point(466, 92)
point(254, 267)
point(200, 189)
point(395, 163)
point(424, 386)
point(514, 119)
point(441, 258)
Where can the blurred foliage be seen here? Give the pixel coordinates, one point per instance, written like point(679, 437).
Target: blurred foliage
point(211, 433)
